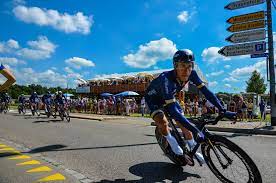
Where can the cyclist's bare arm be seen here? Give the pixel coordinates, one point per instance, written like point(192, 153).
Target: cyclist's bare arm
point(10, 79)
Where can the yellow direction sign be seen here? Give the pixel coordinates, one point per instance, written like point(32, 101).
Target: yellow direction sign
point(247, 17)
point(246, 26)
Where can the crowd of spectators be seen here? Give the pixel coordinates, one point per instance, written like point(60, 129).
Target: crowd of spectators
point(192, 107)
point(108, 105)
point(118, 81)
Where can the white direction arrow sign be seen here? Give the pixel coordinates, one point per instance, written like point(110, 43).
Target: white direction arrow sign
point(243, 49)
point(243, 4)
point(247, 36)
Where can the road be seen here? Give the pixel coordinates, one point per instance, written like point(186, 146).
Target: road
point(106, 151)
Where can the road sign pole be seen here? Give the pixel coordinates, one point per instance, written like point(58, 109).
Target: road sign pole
point(271, 64)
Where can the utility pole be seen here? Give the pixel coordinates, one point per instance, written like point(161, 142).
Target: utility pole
point(271, 63)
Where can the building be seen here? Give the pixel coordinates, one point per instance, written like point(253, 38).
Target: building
point(135, 81)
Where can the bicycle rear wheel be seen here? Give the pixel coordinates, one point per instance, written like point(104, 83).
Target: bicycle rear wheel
point(180, 161)
point(67, 116)
point(236, 165)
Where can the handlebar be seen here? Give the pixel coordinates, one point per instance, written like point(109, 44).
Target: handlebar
point(227, 114)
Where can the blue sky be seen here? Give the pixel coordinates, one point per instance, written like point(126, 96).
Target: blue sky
point(52, 43)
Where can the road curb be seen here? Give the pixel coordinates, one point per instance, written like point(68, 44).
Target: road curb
point(246, 131)
point(238, 130)
point(90, 118)
point(96, 118)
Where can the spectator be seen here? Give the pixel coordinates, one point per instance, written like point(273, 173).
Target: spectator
point(262, 106)
point(232, 106)
point(127, 106)
point(143, 106)
point(244, 110)
point(250, 109)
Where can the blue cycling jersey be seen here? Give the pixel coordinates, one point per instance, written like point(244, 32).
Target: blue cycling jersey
point(60, 99)
point(47, 99)
point(2, 67)
point(161, 93)
point(34, 98)
point(22, 99)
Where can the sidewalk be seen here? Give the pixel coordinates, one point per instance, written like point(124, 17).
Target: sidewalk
point(95, 116)
point(222, 126)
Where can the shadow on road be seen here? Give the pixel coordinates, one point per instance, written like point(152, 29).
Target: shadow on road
point(47, 148)
point(236, 135)
point(149, 135)
point(156, 172)
point(48, 121)
point(7, 154)
point(35, 117)
point(58, 147)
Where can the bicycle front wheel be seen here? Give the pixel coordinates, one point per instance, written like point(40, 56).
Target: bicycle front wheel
point(229, 162)
point(67, 116)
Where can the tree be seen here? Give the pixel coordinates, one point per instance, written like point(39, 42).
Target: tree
point(256, 83)
point(15, 90)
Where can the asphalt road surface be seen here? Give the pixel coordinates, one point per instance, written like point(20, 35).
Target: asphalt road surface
point(104, 151)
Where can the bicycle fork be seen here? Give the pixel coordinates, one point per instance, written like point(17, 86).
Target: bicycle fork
point(229, 160)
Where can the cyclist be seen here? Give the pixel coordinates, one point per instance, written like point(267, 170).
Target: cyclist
point(34, 100)
point(60, 99)
point(10, 78)
point(47, 100)
point(22, 101)
point(7, 100)
point(161, 94)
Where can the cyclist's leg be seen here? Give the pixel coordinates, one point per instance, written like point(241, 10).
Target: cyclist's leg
point(187, 134)
point(189, 138)
point(162, 123)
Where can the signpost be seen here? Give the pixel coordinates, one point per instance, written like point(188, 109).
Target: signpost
point(271, 64)
point(247, 26)
point(247, 22)
point(243, 49)
point(255, 35)
point(246, 17)
point(243, 4)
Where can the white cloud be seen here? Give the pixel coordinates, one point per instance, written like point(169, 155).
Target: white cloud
point(54, 68)
point(183, 17)
point(77, 62)
point(231, 79)
point(39, 49)
point(212, 84)
point(9, 46)
point(74, 75)
point(216, 73)
point(150, 53)
point(115, 75)
point(49, 78)
point(11, 61)
point(227, 85)
point(211, 55)
point(227, 66)
point(13, 44)
point(68, 70)
point(246, 71)
point(78, 22)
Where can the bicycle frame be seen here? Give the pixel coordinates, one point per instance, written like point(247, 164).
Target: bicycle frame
point(206, 133)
